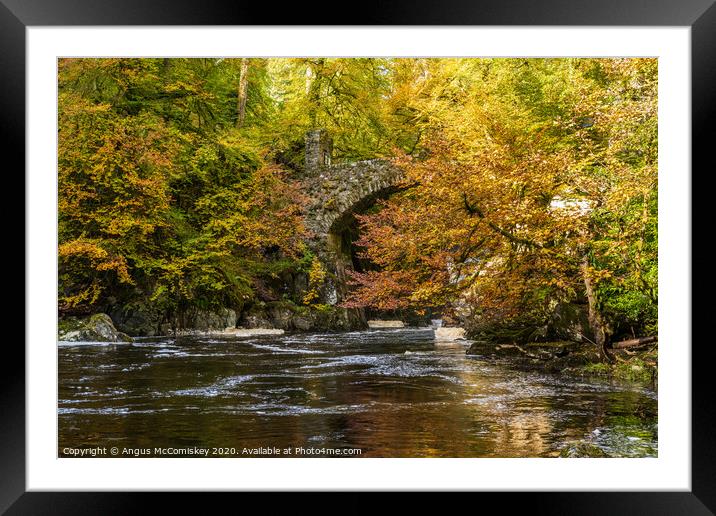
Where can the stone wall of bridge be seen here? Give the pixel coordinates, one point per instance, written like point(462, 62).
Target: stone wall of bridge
point(336, 192)
point(344, 189)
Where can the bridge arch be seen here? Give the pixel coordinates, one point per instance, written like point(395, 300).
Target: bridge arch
point(337, 192)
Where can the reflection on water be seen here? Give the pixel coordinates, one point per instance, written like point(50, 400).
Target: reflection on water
point(391, 393)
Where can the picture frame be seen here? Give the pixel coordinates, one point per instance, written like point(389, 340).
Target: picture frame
point(17, 15)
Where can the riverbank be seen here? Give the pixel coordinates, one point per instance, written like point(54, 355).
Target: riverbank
point(574, 359)
point(120, 323)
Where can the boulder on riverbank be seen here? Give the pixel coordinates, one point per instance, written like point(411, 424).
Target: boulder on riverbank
point(563, 322)
point(96, 328)
point(139, 319)
point(206, 320)
point(145, 320)
point(288, 316)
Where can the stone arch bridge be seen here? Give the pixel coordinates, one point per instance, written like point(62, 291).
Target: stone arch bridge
point(337, 192)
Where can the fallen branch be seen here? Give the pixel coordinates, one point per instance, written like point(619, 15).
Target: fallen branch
point(632, 343)
point(531, 355)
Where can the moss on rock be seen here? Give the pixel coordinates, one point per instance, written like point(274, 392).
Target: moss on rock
point(289, 316)
point(96, 328)
point(582, 449)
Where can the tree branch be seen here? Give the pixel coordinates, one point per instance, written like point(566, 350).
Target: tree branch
point(473, 209)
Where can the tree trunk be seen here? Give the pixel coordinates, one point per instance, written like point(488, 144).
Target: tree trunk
point(243, 86)
point(595, 319)
point(632, 343)
point(314, 73)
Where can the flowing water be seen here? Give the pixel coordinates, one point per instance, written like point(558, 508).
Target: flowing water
point(376, 393)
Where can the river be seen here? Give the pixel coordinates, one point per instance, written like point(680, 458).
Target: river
point(375, 393)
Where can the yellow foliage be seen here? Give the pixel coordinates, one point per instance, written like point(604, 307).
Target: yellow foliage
point(316, 277)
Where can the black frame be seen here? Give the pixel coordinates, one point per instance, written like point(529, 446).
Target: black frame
point(700, 15)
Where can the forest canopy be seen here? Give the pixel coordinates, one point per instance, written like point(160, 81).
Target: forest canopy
point(529, 183)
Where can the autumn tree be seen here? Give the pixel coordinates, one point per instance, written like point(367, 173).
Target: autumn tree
point(527, 195)
point(162, 199)
point(113, 197)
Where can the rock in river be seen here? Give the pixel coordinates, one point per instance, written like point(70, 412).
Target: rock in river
point(449, 333)
point(385, 324)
